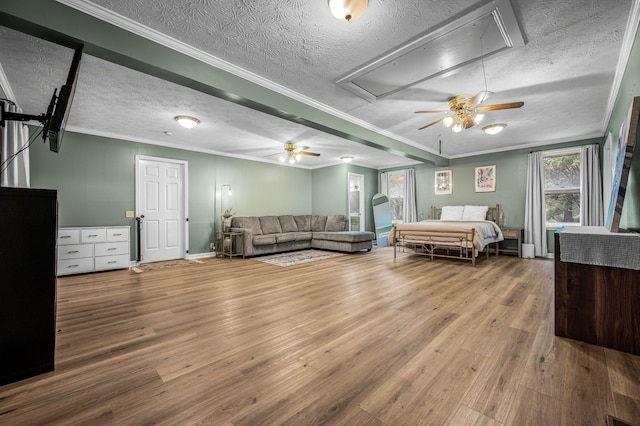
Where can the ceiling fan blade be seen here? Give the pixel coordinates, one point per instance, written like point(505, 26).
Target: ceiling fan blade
point(312, 154)
point(435, 111)
point(496, 107)
point(482, 96)
point(431, 124)
point(272, 155)
point(467, 122)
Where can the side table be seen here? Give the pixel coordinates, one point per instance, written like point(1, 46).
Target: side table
point(228, 249)
point(512, 234)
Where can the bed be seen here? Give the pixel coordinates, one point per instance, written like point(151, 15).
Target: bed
point(456, 232)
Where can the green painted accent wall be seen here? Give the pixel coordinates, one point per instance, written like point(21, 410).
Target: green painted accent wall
point(95, 180)
point(330, 190)
point(629, 88)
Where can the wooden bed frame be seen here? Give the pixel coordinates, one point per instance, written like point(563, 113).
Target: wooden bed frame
point(430, 243)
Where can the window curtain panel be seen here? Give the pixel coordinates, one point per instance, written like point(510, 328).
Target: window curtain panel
point(535, 229)
point(384, 183)
point(14, 155)
point(409, 203)
point(591, 208)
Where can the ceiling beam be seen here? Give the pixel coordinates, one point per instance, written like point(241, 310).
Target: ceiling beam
point(55, 22)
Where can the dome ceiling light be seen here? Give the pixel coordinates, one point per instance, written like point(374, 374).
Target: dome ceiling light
point(347, 10)
point(187, 122)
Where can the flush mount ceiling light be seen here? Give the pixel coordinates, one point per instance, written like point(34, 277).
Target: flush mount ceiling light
point(186, 121)
point(494, 129)
point(346, 159)
point(347, 10)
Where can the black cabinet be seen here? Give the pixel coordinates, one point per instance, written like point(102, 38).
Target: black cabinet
point(28, 222)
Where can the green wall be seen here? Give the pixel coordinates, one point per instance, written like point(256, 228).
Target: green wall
point(629, 88)
point(331, 190)
point(94, 177)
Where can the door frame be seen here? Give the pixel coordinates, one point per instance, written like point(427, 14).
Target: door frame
point(185, 195)
point(360, 178)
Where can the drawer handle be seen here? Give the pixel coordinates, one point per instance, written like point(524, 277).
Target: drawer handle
point(62, 237)
point(93, 235)
point(111, 249)
point(72, 251)
point(72, 266)
point(111, 262)
point(116, 235)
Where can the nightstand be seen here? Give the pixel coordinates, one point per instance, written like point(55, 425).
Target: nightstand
point(512, 235)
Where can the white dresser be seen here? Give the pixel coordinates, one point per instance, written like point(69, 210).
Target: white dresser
point(92, 249)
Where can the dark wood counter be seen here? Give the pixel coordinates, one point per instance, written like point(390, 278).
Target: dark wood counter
point(597, 304)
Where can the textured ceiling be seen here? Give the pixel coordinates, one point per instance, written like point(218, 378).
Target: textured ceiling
point(564, 74)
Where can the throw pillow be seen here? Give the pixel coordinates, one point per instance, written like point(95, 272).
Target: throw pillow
point(451, 213)
point(475, 212)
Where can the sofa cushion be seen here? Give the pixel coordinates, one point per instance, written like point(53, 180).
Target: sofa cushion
point(304, 236)
point(318, 222)
point(252, 223)
point(285, 238)
point(287, 223)
point(345, 236)
point(303, 222)
point(264, 240)
point(270, 225)
point(336, 222)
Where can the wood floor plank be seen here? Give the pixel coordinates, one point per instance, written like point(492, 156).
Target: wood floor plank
point(354, 340)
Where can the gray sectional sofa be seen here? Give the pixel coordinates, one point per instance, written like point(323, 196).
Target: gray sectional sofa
point(274, 234)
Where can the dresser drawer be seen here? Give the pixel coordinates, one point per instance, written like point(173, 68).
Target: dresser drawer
point(93, 235)
point(75, 251)
point(109, 249)
point(68, 236)
point(118, 234)
point(75, 266)
point(112, 262)
point(511, 233)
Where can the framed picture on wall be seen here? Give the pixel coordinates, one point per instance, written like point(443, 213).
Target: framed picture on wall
point(444, 184)
point(485, 179)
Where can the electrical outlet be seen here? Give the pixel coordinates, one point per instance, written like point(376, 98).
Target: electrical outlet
point(128, 213)
point(212, 246)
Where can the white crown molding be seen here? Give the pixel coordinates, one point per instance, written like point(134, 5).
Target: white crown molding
point(623, 59)
point(535, 144)
point(134, 27)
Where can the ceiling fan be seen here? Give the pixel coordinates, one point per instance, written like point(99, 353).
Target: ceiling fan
point(467, 112)
point(292, 154)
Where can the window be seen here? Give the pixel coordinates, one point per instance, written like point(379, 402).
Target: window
point(562, 187)
point(395, 187)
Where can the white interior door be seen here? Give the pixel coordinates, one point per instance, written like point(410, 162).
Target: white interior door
point(356, 202)
point(161, 208)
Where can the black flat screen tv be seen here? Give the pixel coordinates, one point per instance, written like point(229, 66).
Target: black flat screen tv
point(59, 107)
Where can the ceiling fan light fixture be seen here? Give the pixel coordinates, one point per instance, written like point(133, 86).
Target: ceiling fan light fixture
point(447, 121)
point(478, 118)
point(347, 10)
point(346, 159)
point(494, 129)
point(186, 121)
point(458, 127)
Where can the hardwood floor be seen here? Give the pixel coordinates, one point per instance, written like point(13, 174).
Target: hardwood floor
point(354, 340)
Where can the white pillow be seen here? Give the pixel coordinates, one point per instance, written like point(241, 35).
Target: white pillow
point(451, 213)
point(475, 212)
